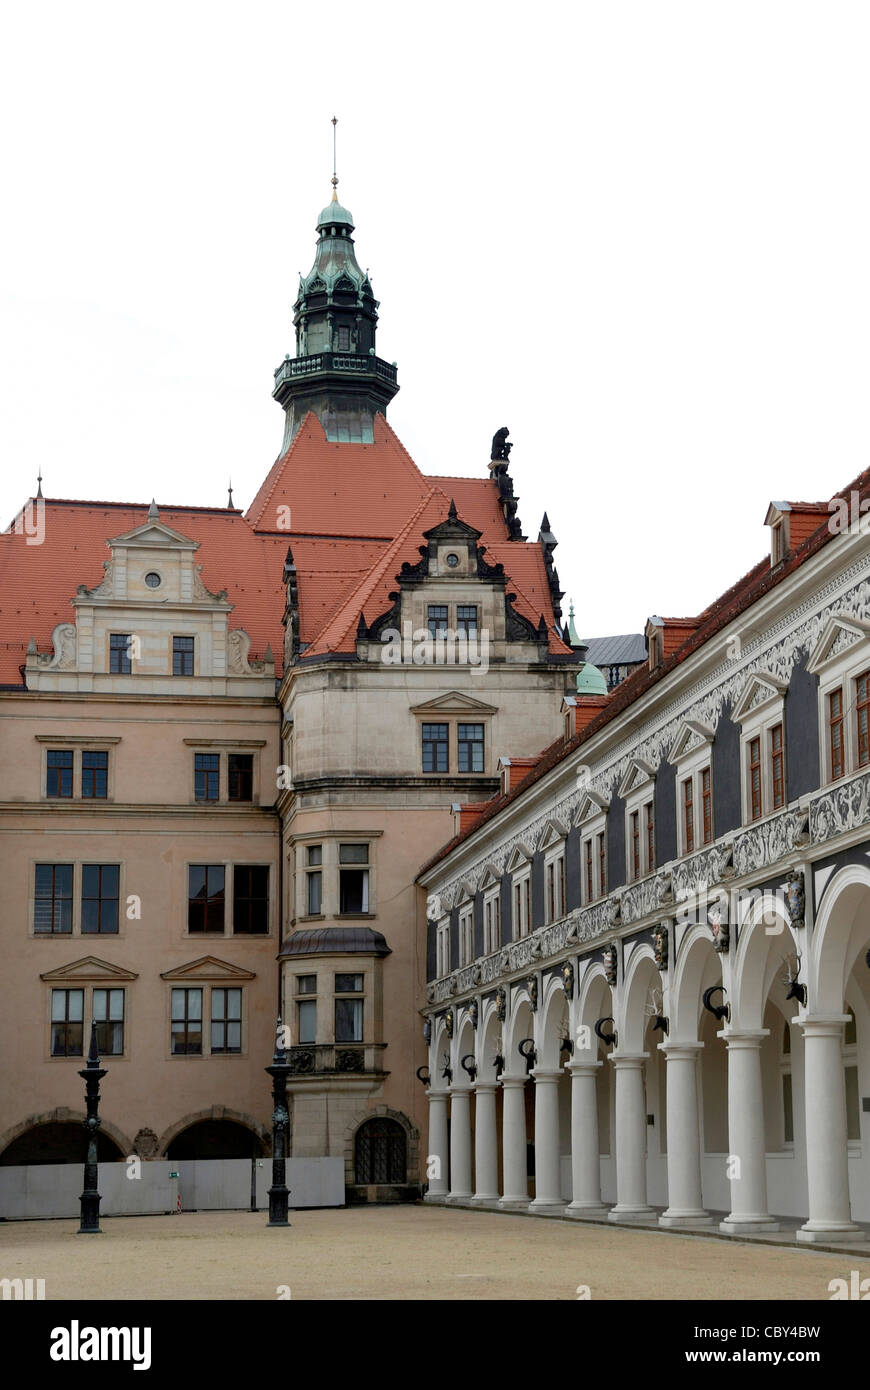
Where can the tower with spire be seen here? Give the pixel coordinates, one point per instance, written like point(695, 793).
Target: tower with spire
point(336, 371)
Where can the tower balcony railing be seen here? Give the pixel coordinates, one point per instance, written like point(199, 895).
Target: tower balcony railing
point(349, 362)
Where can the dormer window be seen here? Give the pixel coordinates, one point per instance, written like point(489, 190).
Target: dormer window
point(436, 618)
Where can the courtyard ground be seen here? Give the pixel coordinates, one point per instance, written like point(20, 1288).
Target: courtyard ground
point(407, 1252)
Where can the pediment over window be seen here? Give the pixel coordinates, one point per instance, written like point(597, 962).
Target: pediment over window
point(454, 702)
point(760, 690)
point(638, 775)
point(490, 878)
point(520, 855)
point(690, 735)
point(464, 894)
point(207, 968)
point(87, 969)
point(553, 834)
point(154, 532)
point(591, 806)
point(839, 634)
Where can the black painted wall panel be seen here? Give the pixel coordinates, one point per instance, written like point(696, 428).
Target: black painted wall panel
point(801, 733)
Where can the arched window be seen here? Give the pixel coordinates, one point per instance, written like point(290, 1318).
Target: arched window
point(380, 1152)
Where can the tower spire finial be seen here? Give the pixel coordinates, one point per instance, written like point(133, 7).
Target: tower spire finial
point(334, 162)
point(230, 496)
point(39, 482)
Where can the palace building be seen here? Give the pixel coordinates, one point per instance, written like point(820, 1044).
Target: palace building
point(229, 741)
point(648, 969)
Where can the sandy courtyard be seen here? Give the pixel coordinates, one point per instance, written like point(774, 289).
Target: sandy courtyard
point(410, 1252)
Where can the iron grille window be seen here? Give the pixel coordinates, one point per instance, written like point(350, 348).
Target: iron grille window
point(109, 1016)
point(52, 907)
point(95, 775)
point(437, 618)
point(186, 1022)
point(120, 663)
point(250, 899)
point(67, 1013)
point(100, 883)
point(206, 776)
point(466, 619)
point(182, 656)
point(226, 1020)
point(380, 1152)
point(205, 897)
point(240, 777)
point(471, 748)
point(434, 747)
point(59, 772)
point(835, 733)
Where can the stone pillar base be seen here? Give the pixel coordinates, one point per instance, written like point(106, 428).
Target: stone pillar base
point(743, 1225)
point(458, 1197)
point(485, 1199)
point(580, 1212)
point(630, 1213)
point(437, 1197)
point(814, 1232)
point(513, 1204)
point(686, 1218)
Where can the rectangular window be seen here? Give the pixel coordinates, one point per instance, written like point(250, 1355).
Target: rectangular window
point(67, 1014)
point(755, 778)
point(706, 806)
point(602, 866)
point(862, 706)
point(434, 747)
point(206, 776)
point(306, 984)
point(240, 777)
point(205, 897)
point(186, 1022)
point(95, 775)
point(119, 654)
point(650, 829)
point(52, 906)
point(353, 882)
point(522, 904)
point(100, 885)
point(491, 924)
point(306, 1017)
point(688, 817)
point(466, 937)
point(436, 618)
point(634, 844)
point(777, 767)
point(835, 734)
point(314, 884)
point(349, 1019)
point(250, 899)
point(443, 949)
point(343, 338)
point(348, 984)
point(109, 1015)
point(59, 772)
point(589, 871)
point(466, 619)
point(226, 1020)
point(182, 656)
point(471, 748)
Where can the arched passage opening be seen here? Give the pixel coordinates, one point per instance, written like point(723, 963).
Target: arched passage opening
point(58, 1142)
point(380, 1153)
point(214, 1139)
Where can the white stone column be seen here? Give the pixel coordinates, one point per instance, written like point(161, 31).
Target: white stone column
point(585, 1154)
point(631, 1203)
point(485, 1145)
point(747, 1157)
point(830, 1216)
point(548, 1188)
point(513, 1143)
point(685, 1205)
point(460, 1145)
point(437, 1145)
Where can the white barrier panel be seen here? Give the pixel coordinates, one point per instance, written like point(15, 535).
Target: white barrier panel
point(313, 1182)
point(35, 1190)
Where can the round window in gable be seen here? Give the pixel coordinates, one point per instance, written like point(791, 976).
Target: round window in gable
point(453, 560)
point(153, 580)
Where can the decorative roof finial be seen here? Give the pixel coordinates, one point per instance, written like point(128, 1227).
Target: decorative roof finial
point(39, 482)
point(153, 513)
point(230, 495)
point(334, 162)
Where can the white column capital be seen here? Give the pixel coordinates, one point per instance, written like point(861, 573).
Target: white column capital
point(547, 1077)
point(628, 1059)
point(822, 1025)
point(485, 1088)
point(748, 1038)
point(681, 1051)
point(510, 1082)
point(584, 1068)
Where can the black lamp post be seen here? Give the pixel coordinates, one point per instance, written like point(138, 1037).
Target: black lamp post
point(93, 1074)
point(278, 1192)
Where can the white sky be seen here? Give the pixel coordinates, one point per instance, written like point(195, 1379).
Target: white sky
point(635, 233)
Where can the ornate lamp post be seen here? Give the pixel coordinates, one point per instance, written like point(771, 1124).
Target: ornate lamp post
point(278, 1192)
point(93, 1074)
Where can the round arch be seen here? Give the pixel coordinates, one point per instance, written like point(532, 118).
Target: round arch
point(698, 967)
point(841, 931)
point(761, 952)
point(259, 1133)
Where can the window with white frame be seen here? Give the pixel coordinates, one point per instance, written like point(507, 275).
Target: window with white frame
point(519, 867)
point(760, 712)
point(638, 791)
point(692, 754)
point(442, 947)
point(466, 935)
point(841, 660)
point(492, 920)
point(592, 819)
point(554, 885)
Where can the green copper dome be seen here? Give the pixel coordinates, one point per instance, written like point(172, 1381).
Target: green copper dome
point(590, 681)
point(335, 215)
